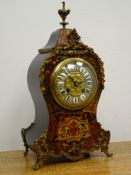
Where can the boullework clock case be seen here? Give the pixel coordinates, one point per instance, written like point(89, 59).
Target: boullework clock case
point(71, 82)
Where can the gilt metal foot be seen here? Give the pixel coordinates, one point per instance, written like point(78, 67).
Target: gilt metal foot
point(37, 165)
point(39, 162)
point(108, 154)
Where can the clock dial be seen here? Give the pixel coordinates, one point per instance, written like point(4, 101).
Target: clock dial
point(73, 83)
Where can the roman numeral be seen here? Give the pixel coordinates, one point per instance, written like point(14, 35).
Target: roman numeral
point(82, 70)
point(68, 98)
point(87, 91)
point(63, 92)
point(60, 84)
point(86, 75)
point(76, 68)
point(75, 99)
point(83, 97)
point(62, 76)
point(67, 70)
point(88, 78)
point(89, 82)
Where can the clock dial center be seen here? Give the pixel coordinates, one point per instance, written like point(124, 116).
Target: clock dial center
point(75, 82)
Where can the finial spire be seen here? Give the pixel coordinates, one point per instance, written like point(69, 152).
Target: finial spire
point(63, 14)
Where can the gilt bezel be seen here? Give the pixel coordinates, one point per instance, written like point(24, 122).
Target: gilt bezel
point(56, 96)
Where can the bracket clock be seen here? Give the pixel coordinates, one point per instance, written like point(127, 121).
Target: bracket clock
point(71, 78)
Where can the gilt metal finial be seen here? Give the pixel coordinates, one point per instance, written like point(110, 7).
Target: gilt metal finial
point(63, 14)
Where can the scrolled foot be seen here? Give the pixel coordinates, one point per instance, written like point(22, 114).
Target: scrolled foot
point(108, 154)
point(37, 165)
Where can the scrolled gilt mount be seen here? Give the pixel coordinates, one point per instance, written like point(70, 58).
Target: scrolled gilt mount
point(71, 77)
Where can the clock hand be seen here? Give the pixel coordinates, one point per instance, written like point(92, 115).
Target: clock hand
point(78, 83)
point(73, 80)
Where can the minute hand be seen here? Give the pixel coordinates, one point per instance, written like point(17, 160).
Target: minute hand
point(73, 80)
point(78, 83)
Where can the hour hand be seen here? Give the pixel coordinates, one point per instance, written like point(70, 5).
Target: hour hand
point(76, 83)
point(79, 82)
point(72, 79)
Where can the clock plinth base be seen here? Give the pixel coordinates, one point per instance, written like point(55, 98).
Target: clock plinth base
point(76, 149)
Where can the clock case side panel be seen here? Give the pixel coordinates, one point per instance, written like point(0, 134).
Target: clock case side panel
point(41, 119)
point(72, 48)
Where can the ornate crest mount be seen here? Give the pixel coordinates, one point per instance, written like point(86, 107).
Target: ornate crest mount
point(63, 14)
